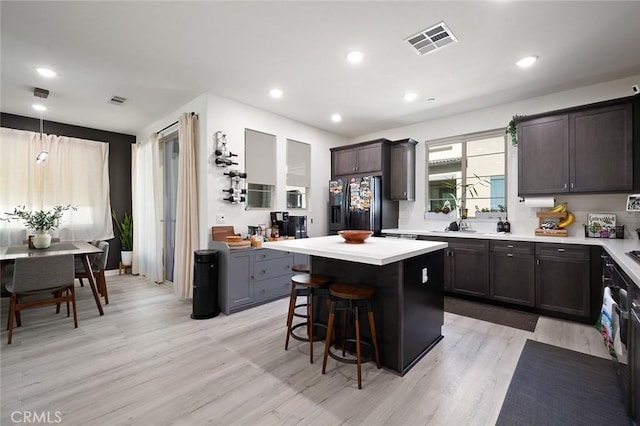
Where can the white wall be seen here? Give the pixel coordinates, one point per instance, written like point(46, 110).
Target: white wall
point(199, 106)
point(232, 118)
point(523, 219)
point(218, 113)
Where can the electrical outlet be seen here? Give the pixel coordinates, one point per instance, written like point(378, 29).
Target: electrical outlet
point(220, 218)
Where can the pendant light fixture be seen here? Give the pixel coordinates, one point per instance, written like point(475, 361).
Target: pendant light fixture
point(42, 94)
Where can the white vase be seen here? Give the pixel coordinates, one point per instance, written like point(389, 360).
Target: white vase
point(41, 239)
point(127, 257)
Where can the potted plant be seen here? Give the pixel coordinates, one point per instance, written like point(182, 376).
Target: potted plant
point(125, 229)
point(40, 221)
point(512, 128)
point(470, 188)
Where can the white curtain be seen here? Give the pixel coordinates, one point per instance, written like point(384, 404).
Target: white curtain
point(187, 240)
point(147, 209)
point(76, 172)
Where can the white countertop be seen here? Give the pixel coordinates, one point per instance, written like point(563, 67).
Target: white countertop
point(617, 248)
point(374, 251)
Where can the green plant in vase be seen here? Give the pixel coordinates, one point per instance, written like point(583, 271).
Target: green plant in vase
point(125, 229)
point(40, 221)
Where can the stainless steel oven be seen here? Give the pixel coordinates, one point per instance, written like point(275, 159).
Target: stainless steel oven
point(621, 288)
point(634, 358)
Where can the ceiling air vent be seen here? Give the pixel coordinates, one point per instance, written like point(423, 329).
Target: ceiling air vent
point(431, 39)
point(117, 100)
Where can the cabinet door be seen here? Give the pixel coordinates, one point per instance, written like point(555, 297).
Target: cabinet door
point(512, 278)
point(403, 171)
point(602, 149)
point(369, 158)
point(469, 267)
point(543, 155)
point(562, 284)
point(239, 290)
point(343, 162)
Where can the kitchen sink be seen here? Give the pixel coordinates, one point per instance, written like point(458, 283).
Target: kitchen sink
point(464, 231)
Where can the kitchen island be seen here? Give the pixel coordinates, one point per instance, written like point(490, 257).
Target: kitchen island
point(409, 280)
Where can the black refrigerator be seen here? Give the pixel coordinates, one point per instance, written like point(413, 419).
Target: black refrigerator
point(359, 203)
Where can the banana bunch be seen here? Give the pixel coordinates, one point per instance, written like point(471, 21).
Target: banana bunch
point(568, 220)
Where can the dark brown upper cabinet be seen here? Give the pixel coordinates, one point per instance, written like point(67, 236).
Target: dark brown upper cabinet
point(601, 144)
point(403, 170)
point(543, 155)
point(582, 150)
point(360, 159)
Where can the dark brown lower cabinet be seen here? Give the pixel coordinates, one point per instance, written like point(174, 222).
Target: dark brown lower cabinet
point(563, 278)
point(512, 272)
point(467, 267)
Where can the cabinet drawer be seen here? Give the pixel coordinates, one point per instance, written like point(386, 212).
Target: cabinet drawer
point(521, 247)
point(271, 288)
point(468, 244)
point(272, 268)
point(562, 250)
point(266, 254)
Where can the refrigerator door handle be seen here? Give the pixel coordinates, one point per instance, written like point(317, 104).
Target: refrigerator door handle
point(345, 203)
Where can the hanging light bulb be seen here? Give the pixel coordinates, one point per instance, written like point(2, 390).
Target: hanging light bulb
point(41, 93)
point(42, 157)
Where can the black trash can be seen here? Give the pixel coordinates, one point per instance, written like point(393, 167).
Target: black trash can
point(205, 284)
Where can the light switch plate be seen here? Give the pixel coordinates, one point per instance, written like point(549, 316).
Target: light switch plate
point(425, 275)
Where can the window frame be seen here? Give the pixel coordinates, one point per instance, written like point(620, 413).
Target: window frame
point(291, 187)
point(267, 157)
point(463, 139)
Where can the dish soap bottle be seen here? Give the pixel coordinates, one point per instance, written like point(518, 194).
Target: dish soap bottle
point(506, 225)
point(500, 227)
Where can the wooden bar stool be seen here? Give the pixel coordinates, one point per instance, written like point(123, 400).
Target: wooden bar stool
point(351, 298)
point(308, 285)
point(301, 267)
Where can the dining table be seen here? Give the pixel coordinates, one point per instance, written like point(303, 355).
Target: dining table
point(80, 249)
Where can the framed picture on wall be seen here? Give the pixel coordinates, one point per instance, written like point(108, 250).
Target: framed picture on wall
point(633, 203)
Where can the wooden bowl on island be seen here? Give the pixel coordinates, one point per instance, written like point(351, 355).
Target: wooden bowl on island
point(355, 236)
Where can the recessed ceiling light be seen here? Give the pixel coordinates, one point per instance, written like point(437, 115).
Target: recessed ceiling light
point(410, 97)
point(39, 107)
point(355, 57)
point(336, 118)
point(527, 62)
point(275, 93)
point(46, 72)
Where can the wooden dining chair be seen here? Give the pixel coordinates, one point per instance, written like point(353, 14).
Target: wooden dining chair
point(33, 276)
point(98, 266)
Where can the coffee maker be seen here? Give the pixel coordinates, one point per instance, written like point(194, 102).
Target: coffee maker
point(297, 226)
point(281, 220)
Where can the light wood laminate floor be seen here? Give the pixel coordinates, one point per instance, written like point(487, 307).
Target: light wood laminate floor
point(146, 362)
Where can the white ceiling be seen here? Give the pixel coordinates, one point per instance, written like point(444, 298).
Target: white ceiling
point(160, 55)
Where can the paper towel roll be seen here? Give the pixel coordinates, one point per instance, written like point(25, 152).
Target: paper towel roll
point(534, 202)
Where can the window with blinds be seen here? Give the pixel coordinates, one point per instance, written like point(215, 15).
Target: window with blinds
point(298, 174)
point(260, 166)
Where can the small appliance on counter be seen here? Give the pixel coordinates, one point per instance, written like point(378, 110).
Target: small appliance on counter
point(281, 220)
point(297, 226)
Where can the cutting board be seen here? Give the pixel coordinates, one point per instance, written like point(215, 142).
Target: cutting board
point(220, 233)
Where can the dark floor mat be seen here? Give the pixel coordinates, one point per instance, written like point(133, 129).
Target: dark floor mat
point(556, 386)
point(495, 314)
